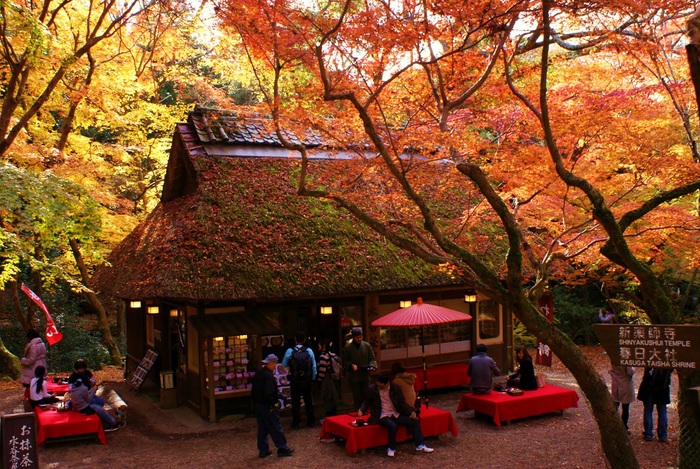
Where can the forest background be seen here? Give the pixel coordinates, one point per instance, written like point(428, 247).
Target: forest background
point(580, 176)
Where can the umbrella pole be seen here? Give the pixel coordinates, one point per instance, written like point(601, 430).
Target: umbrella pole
point(425, 369)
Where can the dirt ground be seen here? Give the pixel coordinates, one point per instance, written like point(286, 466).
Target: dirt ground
point(160, 438)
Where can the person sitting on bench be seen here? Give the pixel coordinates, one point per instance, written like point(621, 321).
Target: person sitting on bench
point(388, 408)
point(38, 394)
point(81, 401)
point(82, 372)
point(482, 369)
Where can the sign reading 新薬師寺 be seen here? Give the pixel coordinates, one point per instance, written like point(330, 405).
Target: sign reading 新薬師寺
point(654, 346)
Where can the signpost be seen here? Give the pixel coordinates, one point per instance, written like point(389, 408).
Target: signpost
point(651, 346)
point(18, 433)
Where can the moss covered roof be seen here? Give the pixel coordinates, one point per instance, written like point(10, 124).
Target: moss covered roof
point(242, 233)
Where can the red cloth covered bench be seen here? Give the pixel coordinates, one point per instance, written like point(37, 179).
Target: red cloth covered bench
point(442, 376)
point(54, 424)
point(433, 421)
point(504, 407)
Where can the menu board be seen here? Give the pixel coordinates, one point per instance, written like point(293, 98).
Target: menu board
point(18, 433)
point(143, 369)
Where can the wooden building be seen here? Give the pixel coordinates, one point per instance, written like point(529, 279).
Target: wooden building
point(232, 262)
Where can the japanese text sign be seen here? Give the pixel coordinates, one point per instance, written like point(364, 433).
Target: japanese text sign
point(653, 346)
point(544, 353)
point(18, 435)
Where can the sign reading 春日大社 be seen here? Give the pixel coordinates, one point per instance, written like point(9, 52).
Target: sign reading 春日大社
point(654, 346)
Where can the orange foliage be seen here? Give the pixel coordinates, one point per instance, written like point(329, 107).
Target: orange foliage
point(414, 89)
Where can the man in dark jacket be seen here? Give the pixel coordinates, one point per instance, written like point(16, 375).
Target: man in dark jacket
point(655, 390)
point(482, 369)
point(267, 410)
point(388, 407)
point(359, 360)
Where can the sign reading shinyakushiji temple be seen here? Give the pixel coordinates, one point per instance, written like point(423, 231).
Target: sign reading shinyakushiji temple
point(651, 346)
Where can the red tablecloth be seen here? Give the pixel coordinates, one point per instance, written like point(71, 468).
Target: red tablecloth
point(504, 407)
point(442, 376)
point(433, 421)
point(59, 389)
point(53, 424)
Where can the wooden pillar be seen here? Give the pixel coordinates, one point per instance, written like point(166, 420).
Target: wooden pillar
point(210, 376)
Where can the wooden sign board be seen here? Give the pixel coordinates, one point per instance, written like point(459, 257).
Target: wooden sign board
point(653, 346)
point(18, 433)
point(143, 369)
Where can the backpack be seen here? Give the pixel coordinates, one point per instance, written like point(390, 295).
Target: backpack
point(300, 364)
point(336, 366)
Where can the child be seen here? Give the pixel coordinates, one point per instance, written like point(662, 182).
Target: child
point(81, 399)
point(38, 393)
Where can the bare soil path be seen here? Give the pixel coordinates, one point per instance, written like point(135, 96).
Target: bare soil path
point(158, 438)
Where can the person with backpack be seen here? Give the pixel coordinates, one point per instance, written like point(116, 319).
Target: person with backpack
point(301, 363)
point(329, 375)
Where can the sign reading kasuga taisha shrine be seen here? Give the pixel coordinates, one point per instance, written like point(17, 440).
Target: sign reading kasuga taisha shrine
point(651, 346)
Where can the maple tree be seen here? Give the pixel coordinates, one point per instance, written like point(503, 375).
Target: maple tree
point(554, 168)
point(41, 216)
point(91, 92)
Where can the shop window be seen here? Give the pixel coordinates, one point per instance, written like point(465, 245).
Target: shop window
point(454, 337)
point(430, 341)
point(398, 343)
point(489, 320)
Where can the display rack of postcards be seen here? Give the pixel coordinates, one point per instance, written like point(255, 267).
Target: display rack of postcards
point(230, 365)
point(282, 378)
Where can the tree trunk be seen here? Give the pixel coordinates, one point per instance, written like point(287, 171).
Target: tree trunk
point(613, 435)
point(689, 428)
point(102, 321)
point(121, 320)
point(694, 63)
point(67, 125)
point(16, 306)
point(9, 362)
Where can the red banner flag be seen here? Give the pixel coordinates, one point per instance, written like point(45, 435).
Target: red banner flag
point(544, 354)
point(52, 334)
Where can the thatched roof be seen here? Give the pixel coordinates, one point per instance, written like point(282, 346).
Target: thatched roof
point(232, 228)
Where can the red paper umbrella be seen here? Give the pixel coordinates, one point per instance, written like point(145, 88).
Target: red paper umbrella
point(419, 315)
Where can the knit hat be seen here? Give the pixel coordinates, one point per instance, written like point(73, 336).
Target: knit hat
point(356, 332)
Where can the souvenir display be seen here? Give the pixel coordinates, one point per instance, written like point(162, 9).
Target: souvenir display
point(231, 364)
point(285, 392)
